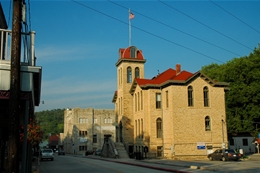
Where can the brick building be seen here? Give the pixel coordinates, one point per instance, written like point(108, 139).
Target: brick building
point(85, 129)
point(176, 114)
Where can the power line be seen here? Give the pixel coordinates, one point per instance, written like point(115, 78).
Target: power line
point(204, 25)
point(177, 29)
point(9, 16)
point(147, 32)
point(234, 16)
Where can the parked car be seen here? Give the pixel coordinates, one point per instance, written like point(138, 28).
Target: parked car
point(89, 152)
point(47, 154)
point(98, 152)
point(224, 155)
point(60, 152)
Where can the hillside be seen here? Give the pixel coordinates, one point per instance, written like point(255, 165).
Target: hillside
point(51, 121)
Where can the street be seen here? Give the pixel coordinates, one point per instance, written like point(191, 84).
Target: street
point(91, 163)
point(69, 164)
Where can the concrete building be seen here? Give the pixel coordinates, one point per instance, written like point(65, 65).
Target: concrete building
point(176, 114)
point(85, 129)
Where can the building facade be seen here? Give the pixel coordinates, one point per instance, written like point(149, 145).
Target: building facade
point(85, 129)
point(176, 114)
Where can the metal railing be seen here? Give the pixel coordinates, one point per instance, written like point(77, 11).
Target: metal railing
point(27, 46)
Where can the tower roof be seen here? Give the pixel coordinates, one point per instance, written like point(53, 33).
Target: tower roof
point(130, 54)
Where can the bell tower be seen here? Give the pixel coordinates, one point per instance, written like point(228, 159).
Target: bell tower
point(130, 65)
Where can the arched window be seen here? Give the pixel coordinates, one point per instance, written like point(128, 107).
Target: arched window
point(135, 102)
point(206, 96)
point(138, 102)
point(190, 96)
point(129, 75)
point(141, 100)
point(207, 123)
point(136, 128)
point(133, 52)
point(142, 128)
point(159, 128)
point(137, 74)
point(139, 129)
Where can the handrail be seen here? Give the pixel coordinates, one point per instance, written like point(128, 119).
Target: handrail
point(27, 46)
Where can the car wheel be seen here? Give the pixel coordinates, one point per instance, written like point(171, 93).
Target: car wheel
point(52, 159)
point(210, 158)
point(223, 159)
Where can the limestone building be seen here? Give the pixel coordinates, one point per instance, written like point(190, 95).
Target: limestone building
point(176, 114)
point(85, 129)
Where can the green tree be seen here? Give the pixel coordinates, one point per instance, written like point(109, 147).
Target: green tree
point(243, 98)
point(51, 121)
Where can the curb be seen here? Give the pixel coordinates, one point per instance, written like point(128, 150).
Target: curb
point(141, 165)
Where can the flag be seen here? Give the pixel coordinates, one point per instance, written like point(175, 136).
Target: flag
point(131, 15)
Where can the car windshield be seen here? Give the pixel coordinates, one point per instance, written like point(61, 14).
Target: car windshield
point(47, 151)
point(230, 151)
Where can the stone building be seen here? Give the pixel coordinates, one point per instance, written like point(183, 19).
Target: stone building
point(176, 114)
point(85, 129)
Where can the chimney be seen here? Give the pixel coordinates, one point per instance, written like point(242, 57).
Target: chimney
point(178, 68)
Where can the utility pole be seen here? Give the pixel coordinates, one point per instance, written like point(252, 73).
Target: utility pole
point(14, 112)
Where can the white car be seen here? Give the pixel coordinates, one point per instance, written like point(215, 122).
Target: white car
point(47, 154)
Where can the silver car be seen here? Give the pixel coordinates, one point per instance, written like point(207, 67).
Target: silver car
point(47, 154)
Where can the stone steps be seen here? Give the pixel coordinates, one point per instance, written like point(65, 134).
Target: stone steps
point(122, 153)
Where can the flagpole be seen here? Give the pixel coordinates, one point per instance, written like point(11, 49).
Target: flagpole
point(129, 28)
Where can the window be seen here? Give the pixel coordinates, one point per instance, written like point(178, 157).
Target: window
point(231, 142)
point(82, 148)
point(133, 52)
point(190, 96)
point(167, 100)
point(159, 128)
point(245, 142)
point(138, 128)
point(135, 102)
point(142, 129)
point(94, 138)
point(207, 123)
point(137, 74)
point(129, 75)
point(159, 151)
point(141, 100)
point(138, 102)
point(83, 120)
point(83, 133)
point(158, 100)
point(206, 96)
point(107, 120)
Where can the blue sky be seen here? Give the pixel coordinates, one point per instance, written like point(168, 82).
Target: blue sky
point(77, 42)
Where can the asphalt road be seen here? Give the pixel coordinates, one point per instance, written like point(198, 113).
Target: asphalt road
point(91, 163)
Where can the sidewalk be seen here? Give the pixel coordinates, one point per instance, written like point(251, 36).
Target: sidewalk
point(169, 165)
point(36, 166)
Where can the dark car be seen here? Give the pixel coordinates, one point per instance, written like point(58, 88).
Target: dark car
point(60, 152)
point(98, 152)
point(89, 152)
point(224, 155)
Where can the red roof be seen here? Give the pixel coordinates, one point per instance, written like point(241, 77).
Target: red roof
point(169, 74)
point(125, 53)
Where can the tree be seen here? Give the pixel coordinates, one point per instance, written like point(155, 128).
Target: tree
point(51, 121)
point(34, 133)
point(243, 98)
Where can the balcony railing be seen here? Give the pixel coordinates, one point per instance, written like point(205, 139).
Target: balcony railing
point(27, 47)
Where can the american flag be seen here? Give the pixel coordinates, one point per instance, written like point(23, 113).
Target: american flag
point(131, 15)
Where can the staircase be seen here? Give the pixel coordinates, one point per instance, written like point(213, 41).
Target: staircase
point(122, 153)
